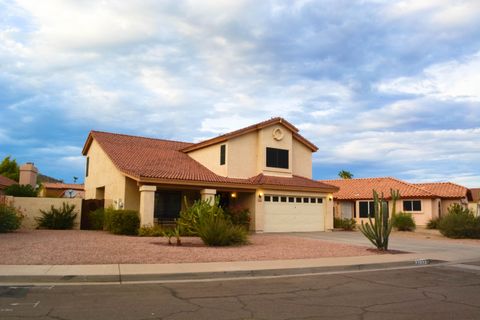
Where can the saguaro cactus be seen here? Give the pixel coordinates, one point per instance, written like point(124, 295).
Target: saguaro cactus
point(378, 229)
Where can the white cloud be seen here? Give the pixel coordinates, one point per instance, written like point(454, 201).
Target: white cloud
point(457, 80)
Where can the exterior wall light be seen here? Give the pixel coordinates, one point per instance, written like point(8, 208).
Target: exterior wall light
point(330, 198)
point(233, 194)
point(260, 195)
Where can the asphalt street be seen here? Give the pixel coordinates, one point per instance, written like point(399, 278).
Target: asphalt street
point(432, 292)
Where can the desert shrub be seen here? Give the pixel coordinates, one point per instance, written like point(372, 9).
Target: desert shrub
point(58, 219)
point(460, 222)
point(124, 222)
point(216, 230)
point(21, 190)
point(188, 220)
point(403, 221)
point(433, 223)
point(10, 219)
point(96, 219)
point(176, 232)
point(238, 216)
point(345, 223)
point(151, 231)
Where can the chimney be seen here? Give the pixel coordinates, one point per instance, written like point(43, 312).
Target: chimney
point(28, 174)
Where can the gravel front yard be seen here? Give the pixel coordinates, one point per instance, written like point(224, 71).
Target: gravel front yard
point(97, 247)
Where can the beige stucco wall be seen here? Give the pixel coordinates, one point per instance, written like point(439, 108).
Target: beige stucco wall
point(446, 203)
point(246, 155)
point(210, 158)
point(103, 173)
point(474, 207)
point(30, 208)
point(132, 195)
point(302, 159)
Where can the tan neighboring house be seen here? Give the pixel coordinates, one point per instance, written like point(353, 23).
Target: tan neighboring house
point(474, 200)
point(5, 182)
point(61, 190)
point(266, 167)
point(424, 200)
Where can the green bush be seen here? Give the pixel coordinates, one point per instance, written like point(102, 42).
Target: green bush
point(216, 230)
point(21, 190)
point(345, 224)
point(59, 219)
point(460, 222)
point(433, 223)
point(124, 222)
point(10, 219)
point(188, 220)
point(238, 216)
point(151, 231)
point(403, 221)
point(96, 219)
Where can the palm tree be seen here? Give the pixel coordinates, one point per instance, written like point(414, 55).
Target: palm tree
point(345, 174)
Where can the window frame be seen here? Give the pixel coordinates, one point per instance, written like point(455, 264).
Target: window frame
point(223, 154)
point(412, 206)
point(277, 158)
point(370, 209)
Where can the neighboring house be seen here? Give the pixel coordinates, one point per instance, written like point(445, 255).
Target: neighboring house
point(474, 200)
point(61, 190)
point(5, 182)
point(266, 167)
point(424, 200)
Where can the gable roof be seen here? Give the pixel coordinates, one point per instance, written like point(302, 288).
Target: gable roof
point(254, 127)
point(60, 185)
point(157, 160)
point(362, 189)
point(474, 194)
point(6, 182)
point(444, 189)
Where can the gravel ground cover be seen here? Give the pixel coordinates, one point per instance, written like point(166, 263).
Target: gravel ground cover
point(98, 247)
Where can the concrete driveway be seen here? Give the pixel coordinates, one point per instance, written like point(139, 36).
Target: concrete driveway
point(433, 246)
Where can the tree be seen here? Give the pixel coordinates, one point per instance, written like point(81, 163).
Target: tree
point(345, 174)
point(9, 168)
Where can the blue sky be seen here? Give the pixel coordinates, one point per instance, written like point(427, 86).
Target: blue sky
point(384, 88)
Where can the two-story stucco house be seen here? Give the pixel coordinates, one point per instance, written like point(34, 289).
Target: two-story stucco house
point(266, 167)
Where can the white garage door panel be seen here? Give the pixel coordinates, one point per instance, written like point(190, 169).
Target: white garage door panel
point(292, 217)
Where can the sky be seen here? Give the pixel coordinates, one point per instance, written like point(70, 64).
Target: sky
point(383, 88)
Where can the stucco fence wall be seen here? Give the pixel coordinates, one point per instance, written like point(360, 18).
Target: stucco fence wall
point(30, 208)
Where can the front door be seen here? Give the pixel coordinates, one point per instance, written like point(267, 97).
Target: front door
point(167, 205)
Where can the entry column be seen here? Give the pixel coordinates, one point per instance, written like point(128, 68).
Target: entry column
point(147, 204)
point(208, 195)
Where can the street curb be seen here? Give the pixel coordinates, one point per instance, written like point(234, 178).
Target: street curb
point(131, 278)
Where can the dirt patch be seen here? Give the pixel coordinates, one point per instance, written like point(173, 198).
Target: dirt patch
point(98, 247)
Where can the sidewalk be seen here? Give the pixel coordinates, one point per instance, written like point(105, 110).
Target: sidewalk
point(121, 273)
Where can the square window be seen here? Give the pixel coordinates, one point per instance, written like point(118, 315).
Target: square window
point(267, 198)
point(299, 200)
point(277, 158)
point(305, 200)
point(283, 199)
point(291, 199)
point(275, 198)
point(319, 200)
point(313, 200)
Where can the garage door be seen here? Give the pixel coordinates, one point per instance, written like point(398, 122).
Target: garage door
point(292, 214)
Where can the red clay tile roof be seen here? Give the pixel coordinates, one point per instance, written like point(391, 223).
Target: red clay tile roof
point(66, 186)
point(444, 189)
point(5, 182)
point(254, 127)
point(148, 158)
point(358, 189)
point(286, 183)
point(474, 194)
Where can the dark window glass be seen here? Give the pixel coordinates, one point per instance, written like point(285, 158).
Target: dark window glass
point(275, 199)
point(371, 209)
point(407, 205)
point(417, 205)
point(299, 199)
point(86, 167)
point(267, 198)
point(305, 200)
point(313, 200)
point(363, 208)
point(222, 154)
point(283, 199)
point(277, 158)
point(319, 200)
point(291, 199)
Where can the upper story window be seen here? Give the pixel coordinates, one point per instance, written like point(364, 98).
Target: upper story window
point(222, 154)
point(86, 166)
point(412, 205)
point(277, 158)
